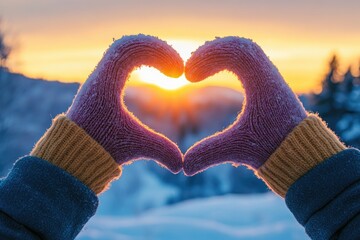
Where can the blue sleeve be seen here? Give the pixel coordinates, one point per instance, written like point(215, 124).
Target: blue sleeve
point(326, 200)
point(41, 201)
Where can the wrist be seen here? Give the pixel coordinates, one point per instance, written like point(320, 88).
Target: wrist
point(309, 144)
point(69, 147)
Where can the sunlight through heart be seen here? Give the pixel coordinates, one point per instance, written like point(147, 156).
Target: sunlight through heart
point(153, 76)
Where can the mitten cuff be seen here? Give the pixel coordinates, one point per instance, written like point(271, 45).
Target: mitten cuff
point(310, 143)
point(69, 147)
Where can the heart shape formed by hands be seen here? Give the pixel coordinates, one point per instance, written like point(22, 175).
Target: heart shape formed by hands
point(99, 109)
point(270, 112)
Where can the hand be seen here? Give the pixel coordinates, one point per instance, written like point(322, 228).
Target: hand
point(270, 112)
point(99, 108)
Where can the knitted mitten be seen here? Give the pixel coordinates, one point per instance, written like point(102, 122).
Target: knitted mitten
point(98, 112)
point(270, 113)
point(99, 108)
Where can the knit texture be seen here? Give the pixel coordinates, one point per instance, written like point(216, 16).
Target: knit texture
point(69, 147)
point(310, 143)
point(99, 109)
point(271, 110)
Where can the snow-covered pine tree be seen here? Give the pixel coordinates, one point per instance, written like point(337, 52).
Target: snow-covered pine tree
point(338, 103)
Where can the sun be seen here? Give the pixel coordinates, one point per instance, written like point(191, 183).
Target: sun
point(153, 76)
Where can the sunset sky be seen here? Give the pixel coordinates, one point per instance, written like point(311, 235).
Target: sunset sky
point(64, 40)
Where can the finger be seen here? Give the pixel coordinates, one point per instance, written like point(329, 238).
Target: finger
point(134, 51)
point(240, 56)
point(148, 144)
point(222, 147)
point(122, 57)
point(265, 89)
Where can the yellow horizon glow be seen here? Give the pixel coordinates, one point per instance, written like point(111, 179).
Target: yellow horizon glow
point(303, 64)
point(66, 41)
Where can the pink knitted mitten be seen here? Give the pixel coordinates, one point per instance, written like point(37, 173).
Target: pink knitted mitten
point(270, 113)
point(99, 109)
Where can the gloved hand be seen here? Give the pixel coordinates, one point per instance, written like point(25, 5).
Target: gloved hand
point(270, 113)
point(99, 108)
point(98, 129)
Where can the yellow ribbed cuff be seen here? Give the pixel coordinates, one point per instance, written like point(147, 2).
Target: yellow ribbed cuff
point(310, 143)
point(69, 147)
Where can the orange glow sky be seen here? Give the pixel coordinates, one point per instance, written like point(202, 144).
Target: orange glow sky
point(64, 40)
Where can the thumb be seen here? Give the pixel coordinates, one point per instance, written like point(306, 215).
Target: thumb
point(145, 143)
point(209, 152)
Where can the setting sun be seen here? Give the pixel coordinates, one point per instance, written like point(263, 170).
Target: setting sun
point(153, 76)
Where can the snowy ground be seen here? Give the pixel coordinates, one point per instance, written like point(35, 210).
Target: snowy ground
point(258, 216)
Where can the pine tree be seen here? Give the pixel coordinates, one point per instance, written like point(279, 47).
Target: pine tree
point(339, 104)
point(5, 49)
point(325, 102)
point(348, 82)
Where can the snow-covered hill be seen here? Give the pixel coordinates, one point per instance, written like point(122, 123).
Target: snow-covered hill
point(28, 105)
point(148, 202)
point(250, 217)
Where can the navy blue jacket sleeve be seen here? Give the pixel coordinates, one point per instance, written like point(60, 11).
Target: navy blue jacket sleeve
point(41, 201)
point(326, 200)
